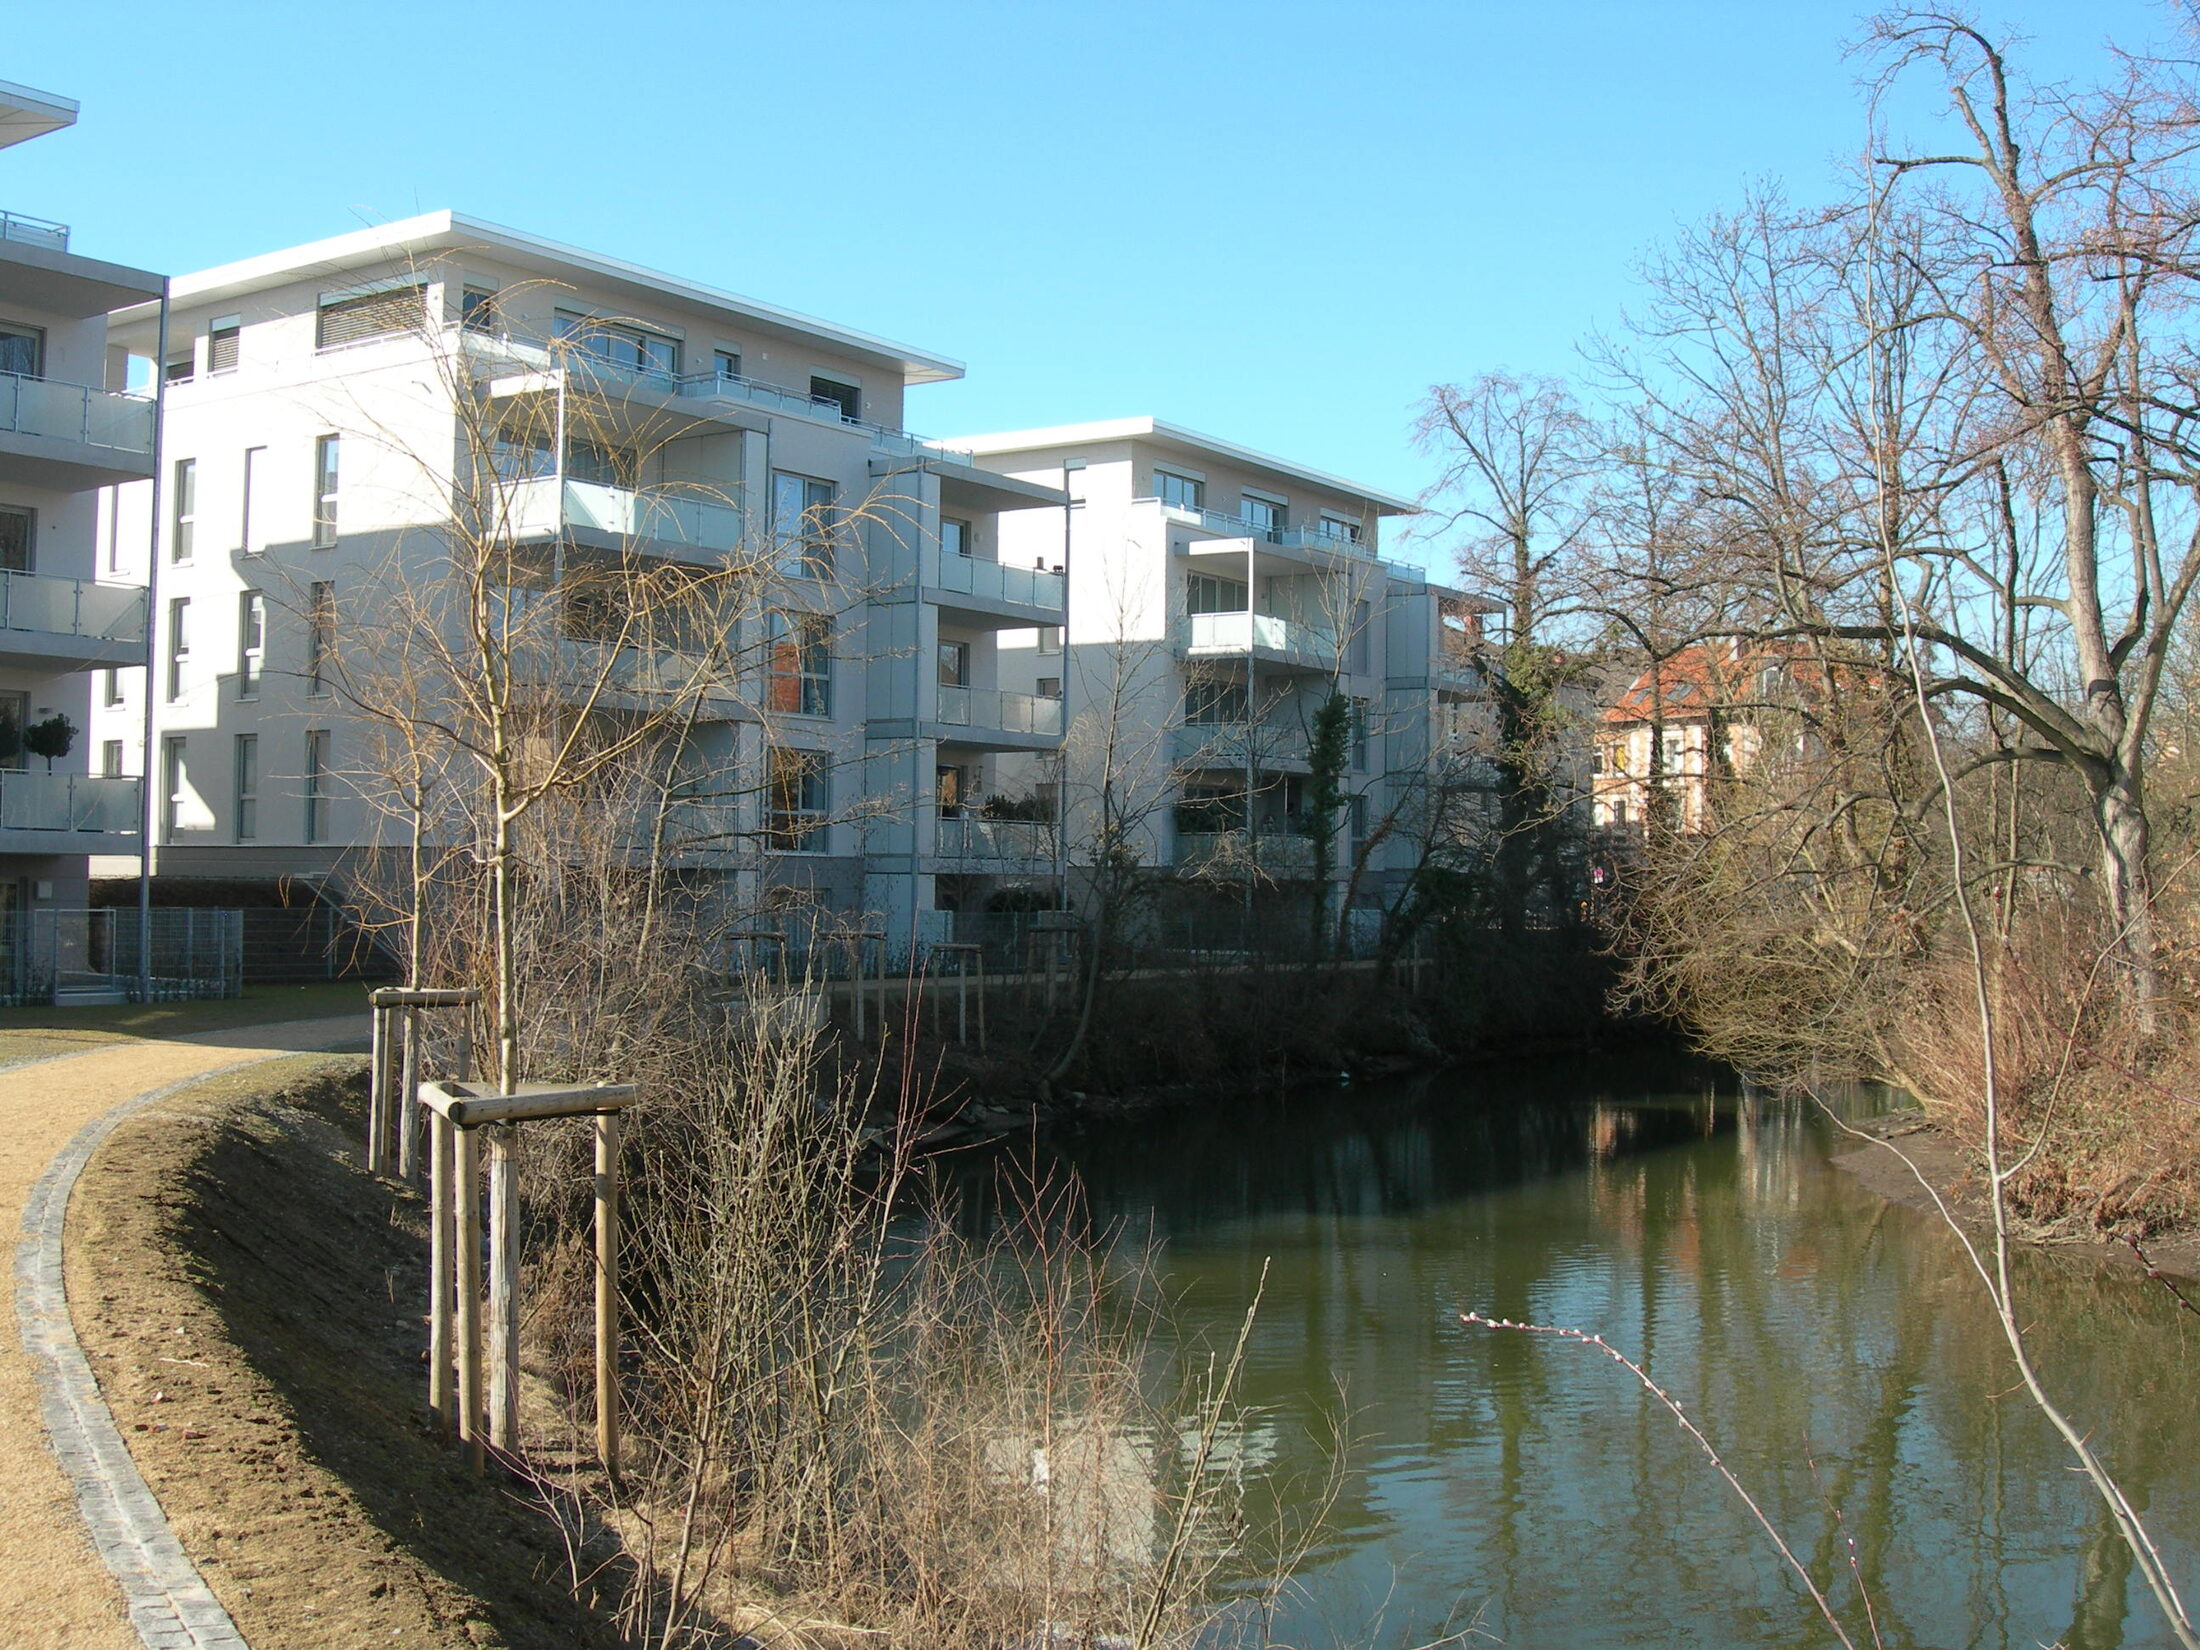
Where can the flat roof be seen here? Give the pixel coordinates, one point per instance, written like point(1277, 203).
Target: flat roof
point(25, 114)
point(448, 231)
point(1175, 435)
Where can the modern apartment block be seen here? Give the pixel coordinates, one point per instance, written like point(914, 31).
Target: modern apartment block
point(72, 607)
point(1218, 596)
point(320, 405)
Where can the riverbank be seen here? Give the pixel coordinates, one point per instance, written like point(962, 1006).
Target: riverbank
point(1909, 1154)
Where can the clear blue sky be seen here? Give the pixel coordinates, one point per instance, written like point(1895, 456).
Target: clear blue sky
point(1272, 220)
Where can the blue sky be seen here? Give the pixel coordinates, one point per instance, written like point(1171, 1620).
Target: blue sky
point(1275, 221)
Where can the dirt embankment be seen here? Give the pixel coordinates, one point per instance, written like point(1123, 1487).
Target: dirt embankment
point(251, 1303)
point(1909, 1147)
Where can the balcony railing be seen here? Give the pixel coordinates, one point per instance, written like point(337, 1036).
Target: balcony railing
point(72, 607)
point(1237, 527)
point(974, 837)
point(1228, 633)
point(1233, 744)
point(963, 707)
point(1276, 854)
point(29, 231)
point(75, 412)
point(546, 505)
point(71, 802)
point(1019, 586)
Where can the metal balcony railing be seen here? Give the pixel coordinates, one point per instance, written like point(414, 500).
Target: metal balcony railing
point(30, 231)
point(74, 802)
point(76, 412)
point(963, 707)
point(1018, 586)
point(1227, 633)
point(973, 837)
point(72, 607)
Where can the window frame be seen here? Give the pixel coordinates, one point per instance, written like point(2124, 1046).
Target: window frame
point(251, 643)
point(798, 663)
point(797, 815)
point(29, 518)
point(328, 469)
point(183, 511)
point(1194, 486)
point(320, 636)
point(314, 786)
point(245, 786)
point(179, 644)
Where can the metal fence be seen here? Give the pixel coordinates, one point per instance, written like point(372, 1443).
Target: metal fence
point(64, 956)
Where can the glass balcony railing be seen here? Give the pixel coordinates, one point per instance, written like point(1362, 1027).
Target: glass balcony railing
point(75, 412)
point(1234, 744)
point(29, 231)
point(1274, 854)
point(546, 505)
point(963, 707)
point(974, 837)
point(1211, 634)
point(72, 607)
point(1018, 586)
point(1318, 537)
point(73, 802)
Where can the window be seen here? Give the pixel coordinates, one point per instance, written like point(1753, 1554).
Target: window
point(248, 786)
point(1355, 814)
point(954, 664)
point(1359, 734)
point(110, 686)
point(382, 313)
point(520, 449)
point(316, 787)
point(1263, 515)
point(1674, 747)
point(320, 636)
point(175, 783)
point(1050, 687)
point(477, 309)
point(727, 362)
point(802, 521)
point(17, 535)
point(800, 664)
point(327, 460)
point(1050, 638)
point(223, 343)
point(1357, 645)
point(15, 715)
point(251, 643)
point(114, 529)
point(631, 348)
point(1340, 527)
point(1619, 815)
point(22, 349)
point(605, 466)
point(1204, 593)
point(184, 510)
point(1216, 704)
point(179, 643)
point(954, 537)
point(1597, 760)
point(1184, 492)
point(950, 785)
point(179, 368)
point(255, 476)
point(845, 399)
point(796, 801)
point(110, 759)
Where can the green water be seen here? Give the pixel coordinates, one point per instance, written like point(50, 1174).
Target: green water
point(1834, 1348)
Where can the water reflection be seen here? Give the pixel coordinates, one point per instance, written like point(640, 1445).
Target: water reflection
point(1836, 1348)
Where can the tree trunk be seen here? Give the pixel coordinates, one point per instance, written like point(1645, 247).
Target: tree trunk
point(2124, 845)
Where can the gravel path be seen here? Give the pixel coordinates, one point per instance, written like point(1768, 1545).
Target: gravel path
point(90, 1561)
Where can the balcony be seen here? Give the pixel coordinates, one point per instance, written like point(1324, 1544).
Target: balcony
point(1237, 527)
point(975, 842)
point(1261, 636)
point(38, 232)
point(1025, 717)
point(990, 581)
point(1276, 747)
point(1234, 854)
point(675, 522)
point(71, 436)
point(70, 624)
point(61, 813)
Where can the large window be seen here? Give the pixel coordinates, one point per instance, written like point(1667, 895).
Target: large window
point(22, 349)
point(360, 316)
point(183, 510)
point(1263, 515)
point(248, 786)
point(1204, 593)
point(800, 664)
point(17, 537)
point(1182, 491)
point(802, 522)
point(954, 664)
point(179, 644)
point(320, 636)
point(1340, 527)
point(251, 643)
point(1216, 704)
point(845, 399)
point(316, 785)
point(110, 759)
point(630, 348)
point(954, 537)
point(796, 801)
point(327, 464)
point(477, 309)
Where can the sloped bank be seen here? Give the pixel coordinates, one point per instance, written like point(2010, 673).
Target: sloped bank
point(249, 1301)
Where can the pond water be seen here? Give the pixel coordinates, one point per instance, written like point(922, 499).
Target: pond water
point(1835, 1348)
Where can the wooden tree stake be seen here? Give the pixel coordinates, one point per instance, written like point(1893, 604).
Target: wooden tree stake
point(442, 1177)
point(607, 1292)
point(503, 1287)
point(466, 1176)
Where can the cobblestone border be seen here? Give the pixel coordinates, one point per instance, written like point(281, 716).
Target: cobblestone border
point(169, 1603)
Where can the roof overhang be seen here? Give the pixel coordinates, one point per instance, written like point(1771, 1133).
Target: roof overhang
point(26, 114)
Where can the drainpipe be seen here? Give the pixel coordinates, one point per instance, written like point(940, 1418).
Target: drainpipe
point(146, 803)
point(1070, 466)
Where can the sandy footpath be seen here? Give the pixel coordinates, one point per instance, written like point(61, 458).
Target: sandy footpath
point(54, 1591)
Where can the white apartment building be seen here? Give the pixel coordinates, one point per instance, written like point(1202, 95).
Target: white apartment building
point(315, 400)
point(72, 607)
point(1217, 597)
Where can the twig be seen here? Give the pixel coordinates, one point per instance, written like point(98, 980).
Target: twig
point(2160, 1276)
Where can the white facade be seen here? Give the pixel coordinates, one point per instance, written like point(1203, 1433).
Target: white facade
point(1218, 596)
point(72, 611)
point(317, 402)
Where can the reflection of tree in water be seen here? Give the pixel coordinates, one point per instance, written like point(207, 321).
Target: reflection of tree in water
point(1833, 1346)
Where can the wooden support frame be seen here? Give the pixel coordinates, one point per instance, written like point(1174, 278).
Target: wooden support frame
point(394, 1071)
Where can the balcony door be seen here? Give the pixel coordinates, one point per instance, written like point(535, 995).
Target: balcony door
point(22, 349)
point(15, 710)
point(16, 538)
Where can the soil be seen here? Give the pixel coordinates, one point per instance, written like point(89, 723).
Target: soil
point(251, 1302)
point(1960, 1179)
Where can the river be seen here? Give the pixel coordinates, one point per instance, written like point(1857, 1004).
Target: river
point(1835, 1348)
